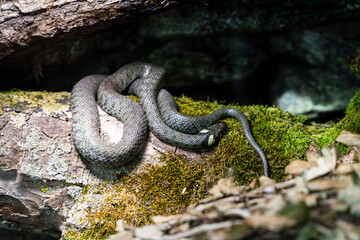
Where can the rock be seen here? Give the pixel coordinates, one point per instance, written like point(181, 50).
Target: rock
point(313, 92)
point(320, 82)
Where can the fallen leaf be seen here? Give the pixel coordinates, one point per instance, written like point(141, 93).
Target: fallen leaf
point(121, 233)
point(326, 164)
point(271, 222)
point(227, 185)
point(252, 185)
point(181, 228)
point(352, 156)
point(161, 219)
point(297, 167)
point(298, 192)
point(312, 153)
point(356, 167)
point(150, 231)
point(300, 185)
point(351, 196)
point(340, 207)
point(348, 138)
point(350, 231)
point(324, 184)
point(311, 200)
point(344, 168)
point(275, 205)
point(265, 181)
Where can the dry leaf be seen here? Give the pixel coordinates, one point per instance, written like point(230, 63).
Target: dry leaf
point(181, 228)
point(252, 185)
point(297, 167)
point(271, 222)
point(311, 200)
point(344, 168)
point(300, 186)
point(356, 167)
point(298, 192)
point(352, 156)
point(324, 184)
point(349, 230)
point(340, 207)
point(326, 164)
point(265, 181)
point(227, 185)
point(275, 205)
point(161, 219)
point(312, 153)
point(348, 138)
point(351, 196)
point(121, 233)
point(150, 231)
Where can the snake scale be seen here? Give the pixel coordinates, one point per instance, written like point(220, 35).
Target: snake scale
point(157, 110)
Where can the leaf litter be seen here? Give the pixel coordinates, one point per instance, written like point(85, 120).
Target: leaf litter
point(319, 200)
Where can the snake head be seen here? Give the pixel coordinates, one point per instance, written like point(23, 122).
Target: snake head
point(214, 133)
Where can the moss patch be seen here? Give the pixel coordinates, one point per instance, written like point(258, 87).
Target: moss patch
point(45, 101)
point(169, 188)
point(166, 189)
point(281, 135)
point(354, 64)
point(354, 102)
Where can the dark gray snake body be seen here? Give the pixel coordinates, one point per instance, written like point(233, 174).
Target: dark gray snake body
point(157, 105)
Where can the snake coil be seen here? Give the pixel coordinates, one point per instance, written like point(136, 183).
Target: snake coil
point(158, 111)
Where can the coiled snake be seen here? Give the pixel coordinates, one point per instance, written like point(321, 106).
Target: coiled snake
point(157, 110)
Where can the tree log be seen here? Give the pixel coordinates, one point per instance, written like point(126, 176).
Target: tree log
point(41, 172)
point(25, 22)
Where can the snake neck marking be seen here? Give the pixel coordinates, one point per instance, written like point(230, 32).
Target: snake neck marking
point(158, 111)
point(211, 140)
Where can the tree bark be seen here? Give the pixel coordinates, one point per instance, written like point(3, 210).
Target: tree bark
point(32, 25)
point(41, 172)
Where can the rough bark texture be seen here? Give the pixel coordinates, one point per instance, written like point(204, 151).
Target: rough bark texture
point(26, 23)
point(41, 173)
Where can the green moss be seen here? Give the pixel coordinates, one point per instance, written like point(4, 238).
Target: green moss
point(176, 184)
point(159, 190)
point(170, 187)
point(281, 135)
point(354, 102)
point(46, 101)
point(354, 64)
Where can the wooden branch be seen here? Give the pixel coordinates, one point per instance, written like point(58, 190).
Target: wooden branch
point(26, 22)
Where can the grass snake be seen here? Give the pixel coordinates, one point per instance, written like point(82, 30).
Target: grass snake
point(157, 110)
